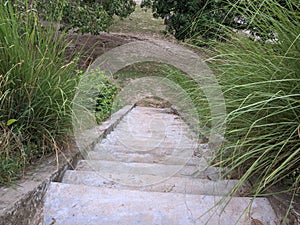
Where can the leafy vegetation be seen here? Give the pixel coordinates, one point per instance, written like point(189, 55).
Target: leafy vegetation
point(105, 99)
point(190, 17)
point(84, 16)
point(261, 85)
point(95, 95)
point(205, 20)
point(37, 85)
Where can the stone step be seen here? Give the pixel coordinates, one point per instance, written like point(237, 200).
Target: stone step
point(156, 138)
point(150, 143)
point(143, 158)
point(154, 129)
point(152, 122)
point(151, 136)
point(155, 133)
point(152, 110)
point(159, 150)
point(143, 109)
point(144, 134)
point(148, 118)
point(185, 185)
point(68, 204)
point(145, 119)
point(156, 169)
point(140, 116)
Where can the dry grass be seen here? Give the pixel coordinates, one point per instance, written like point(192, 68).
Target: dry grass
point(141, 22)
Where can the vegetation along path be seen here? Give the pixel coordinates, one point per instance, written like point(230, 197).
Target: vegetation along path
point(149, 166)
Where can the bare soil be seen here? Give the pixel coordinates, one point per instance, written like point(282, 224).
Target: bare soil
point(92, 46)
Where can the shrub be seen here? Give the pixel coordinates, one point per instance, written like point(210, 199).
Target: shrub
point(85, 16)
point(37, 86)
point(188, 18)
point(95, 96)
point(206, 19)
point(105, 99)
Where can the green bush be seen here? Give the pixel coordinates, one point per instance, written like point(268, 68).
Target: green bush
point(37, 85)
point(105, 99)
point(193, 17)
point(94, 100)
point(84, 16)
point(205, 20)
point(261, 82)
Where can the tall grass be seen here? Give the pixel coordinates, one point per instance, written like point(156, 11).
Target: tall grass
point(261, 84)
point(36, 89)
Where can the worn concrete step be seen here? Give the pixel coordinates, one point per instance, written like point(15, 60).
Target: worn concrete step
point(171, 133)
point(153, 110)
point(156, 126)
point(159, 150)
point(161, 132)
point(156, 169)
point(152, 120)
point(138, 133)
point(144, 109)
point(185, 185)
point(151, 143)
point(202, 149)
point(153, 123)
point(201, 171)
point(121, 134)
point(149, 118)
point(152, 135)
point(143, 158)
point(67, 204)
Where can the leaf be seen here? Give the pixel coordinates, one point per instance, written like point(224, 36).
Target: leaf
point(10, 122)
point(256, 222)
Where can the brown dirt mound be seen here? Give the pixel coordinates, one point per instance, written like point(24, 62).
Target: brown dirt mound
point(92, 46)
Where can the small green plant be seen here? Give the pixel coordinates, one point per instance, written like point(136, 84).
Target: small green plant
point(105, 99)
point(37, 85)
point(95, 95)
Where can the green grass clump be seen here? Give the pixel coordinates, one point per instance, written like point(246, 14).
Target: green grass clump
point(261, 84)
point(37, 86)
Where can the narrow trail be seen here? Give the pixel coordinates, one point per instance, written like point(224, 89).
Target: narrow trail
point(143, 172)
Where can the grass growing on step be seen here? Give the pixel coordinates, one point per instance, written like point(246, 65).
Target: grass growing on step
point(261, 84)
point(37, 85)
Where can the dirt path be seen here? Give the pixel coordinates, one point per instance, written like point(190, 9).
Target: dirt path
point(139, 26)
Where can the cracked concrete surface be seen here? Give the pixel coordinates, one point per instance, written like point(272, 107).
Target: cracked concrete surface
point(143, 172)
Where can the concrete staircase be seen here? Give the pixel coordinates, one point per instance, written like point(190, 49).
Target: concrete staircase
point(150, 170)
